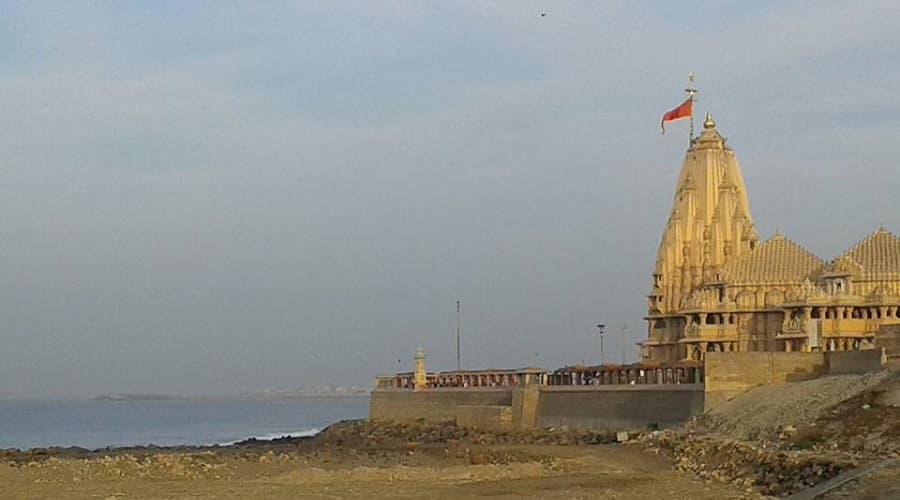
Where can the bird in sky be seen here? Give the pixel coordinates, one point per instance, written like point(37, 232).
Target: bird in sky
point(543, 14)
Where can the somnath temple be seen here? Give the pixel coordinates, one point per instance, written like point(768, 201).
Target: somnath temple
point(716, 287)
point(727, 312)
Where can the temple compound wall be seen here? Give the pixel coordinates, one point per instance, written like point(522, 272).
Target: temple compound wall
point(600, 398)
point(619, 407)
point(436, 405)
point(578, 407)
point(607, 397)
point(889, 339)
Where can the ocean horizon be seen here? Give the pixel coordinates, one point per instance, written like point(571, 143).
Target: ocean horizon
point(101, 423)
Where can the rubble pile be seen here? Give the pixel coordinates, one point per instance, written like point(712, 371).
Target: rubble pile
point(769, 471)
point(783, 439)
point(389, 434)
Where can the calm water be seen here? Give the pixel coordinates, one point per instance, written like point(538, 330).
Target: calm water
point(97, 424)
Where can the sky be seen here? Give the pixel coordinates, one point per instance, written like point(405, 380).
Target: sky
point(219, 197)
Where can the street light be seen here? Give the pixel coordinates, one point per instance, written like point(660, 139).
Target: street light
point(601, 327)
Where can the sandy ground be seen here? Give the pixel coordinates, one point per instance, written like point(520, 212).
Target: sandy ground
point(440, 472)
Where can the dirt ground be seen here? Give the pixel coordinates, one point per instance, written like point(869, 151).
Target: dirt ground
point(439, 472)
point(882, 484)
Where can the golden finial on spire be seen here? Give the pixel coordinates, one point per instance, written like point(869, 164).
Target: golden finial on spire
point(690, 88)
point(709, 124)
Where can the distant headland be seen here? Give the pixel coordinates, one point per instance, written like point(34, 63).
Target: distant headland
point(324, 391)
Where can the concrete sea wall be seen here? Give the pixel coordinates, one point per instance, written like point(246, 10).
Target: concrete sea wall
point(433, 405)
point(623, 407)
point(619, 407)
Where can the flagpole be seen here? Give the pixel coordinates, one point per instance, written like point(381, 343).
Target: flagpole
point(691, 91)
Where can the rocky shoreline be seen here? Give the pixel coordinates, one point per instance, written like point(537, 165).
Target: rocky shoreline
point(360, 459)
point(360, 434)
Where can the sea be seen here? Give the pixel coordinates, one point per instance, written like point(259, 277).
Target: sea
point(95, 424)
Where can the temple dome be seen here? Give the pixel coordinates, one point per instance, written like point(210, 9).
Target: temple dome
point(777, 260)
point(877, 254)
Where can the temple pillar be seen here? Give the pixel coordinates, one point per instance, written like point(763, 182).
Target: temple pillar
point(421, 378)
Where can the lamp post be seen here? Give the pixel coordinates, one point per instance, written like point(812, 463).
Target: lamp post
point(624, 329)
point(458, 364)
point(600, 327)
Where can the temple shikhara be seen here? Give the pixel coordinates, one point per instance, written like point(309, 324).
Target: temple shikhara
point(717, 287)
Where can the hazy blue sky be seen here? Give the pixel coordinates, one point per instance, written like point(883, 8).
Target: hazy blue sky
point(212, 197)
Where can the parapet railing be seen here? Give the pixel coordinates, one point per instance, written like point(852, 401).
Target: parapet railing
point(497, 379)
point(637, 374)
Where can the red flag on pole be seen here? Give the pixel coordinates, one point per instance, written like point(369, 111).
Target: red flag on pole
point(684, 110)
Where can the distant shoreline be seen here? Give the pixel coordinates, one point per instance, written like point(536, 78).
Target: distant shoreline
point(232, 397)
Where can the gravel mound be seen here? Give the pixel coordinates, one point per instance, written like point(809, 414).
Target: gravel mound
point(782, 439)
point(762, 413)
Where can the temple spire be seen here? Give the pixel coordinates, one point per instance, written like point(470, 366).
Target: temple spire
point(708, 223)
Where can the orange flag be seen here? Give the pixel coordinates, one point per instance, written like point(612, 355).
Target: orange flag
point(682, 111)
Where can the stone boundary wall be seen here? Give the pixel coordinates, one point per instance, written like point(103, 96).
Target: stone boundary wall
point(615, 407)
point(729, 374)
point(432, 405)
point(888, 338)
point(854, 362)
point(484, 417)
point(623, 407)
